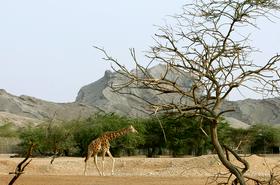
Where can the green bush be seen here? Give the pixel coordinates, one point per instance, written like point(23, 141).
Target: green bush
point(174, 135)
point(50, 139)
point(264, 138)
point(72, 138)
point(169, 135)
point(8, 130)
point(153, 137)
point(93, 127)
point(185, 137)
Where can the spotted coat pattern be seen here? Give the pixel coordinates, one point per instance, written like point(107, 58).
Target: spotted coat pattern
point(102, 144)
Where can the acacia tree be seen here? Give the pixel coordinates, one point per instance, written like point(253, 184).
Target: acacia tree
point(207, 44)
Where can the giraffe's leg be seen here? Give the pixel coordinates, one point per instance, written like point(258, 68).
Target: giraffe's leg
point(95, 162)
point(86, 161)
point(113, 162)
point(85, 167)
point(103, 162)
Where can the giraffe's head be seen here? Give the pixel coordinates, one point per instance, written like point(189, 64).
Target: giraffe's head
point(132, 129)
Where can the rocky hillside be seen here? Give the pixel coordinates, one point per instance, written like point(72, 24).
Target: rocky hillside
point(24, 109)
point(99, 93)
point(98, 96)
point(255, 111)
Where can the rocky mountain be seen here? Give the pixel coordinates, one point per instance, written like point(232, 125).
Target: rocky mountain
point(24, 109)
point(254, 111)
point(98, 96)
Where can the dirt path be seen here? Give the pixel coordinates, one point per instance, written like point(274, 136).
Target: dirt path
point(94, 180)
point(128, 170)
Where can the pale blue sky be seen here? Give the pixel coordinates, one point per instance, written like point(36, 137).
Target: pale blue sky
point(46, 46)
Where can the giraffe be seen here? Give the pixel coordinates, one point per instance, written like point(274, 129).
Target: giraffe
point(102, 144)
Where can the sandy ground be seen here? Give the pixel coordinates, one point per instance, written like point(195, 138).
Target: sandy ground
point(129, 170)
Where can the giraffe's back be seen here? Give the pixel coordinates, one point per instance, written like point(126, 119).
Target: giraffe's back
point(98, 145)
point(95, 146)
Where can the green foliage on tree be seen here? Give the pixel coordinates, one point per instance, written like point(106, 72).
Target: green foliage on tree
point(72, 138)
point(7, 129)
point(50, 139)
point(184, 136)
point(166, 135)
point(153, 135)
point(264, 138)
point(94, 126)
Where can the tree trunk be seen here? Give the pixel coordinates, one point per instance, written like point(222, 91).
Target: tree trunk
point(222, 156)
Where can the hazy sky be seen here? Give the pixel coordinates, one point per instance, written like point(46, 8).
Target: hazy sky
point(46, 46)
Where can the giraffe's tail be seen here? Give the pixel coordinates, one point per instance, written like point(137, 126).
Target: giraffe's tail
point(87, 156)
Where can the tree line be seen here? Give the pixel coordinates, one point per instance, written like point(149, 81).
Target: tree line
point(166, 135)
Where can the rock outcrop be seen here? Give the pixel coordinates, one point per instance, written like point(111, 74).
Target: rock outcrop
point(100, 94)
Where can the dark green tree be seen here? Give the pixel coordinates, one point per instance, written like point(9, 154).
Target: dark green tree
point(264, 138)
point(154, 139)
point(50, 139)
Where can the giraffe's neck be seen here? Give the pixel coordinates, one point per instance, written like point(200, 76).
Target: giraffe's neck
point(116, 134)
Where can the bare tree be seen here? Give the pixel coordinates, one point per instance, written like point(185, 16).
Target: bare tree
point(23, 164)
point(206, 42)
